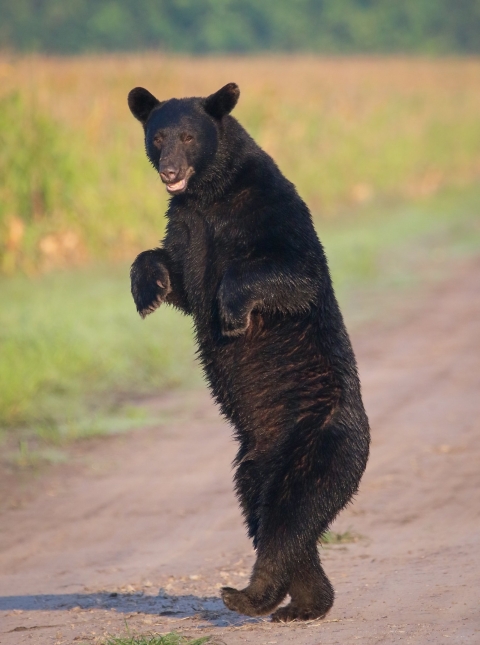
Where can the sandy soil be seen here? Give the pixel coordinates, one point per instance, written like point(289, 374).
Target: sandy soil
point(144, 528)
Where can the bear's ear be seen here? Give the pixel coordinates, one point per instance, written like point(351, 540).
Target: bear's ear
point(223, 101)
point(141, 103)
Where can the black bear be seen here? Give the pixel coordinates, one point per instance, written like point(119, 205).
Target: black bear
point(241, 256)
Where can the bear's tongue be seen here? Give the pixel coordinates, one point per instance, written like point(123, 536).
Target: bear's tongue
point(179, 185)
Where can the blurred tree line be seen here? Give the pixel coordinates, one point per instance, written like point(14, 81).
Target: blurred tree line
point(201, 26)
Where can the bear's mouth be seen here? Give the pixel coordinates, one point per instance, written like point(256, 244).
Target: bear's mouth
point(177, 187)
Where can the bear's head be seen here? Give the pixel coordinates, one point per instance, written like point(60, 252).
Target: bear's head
point(182, 135)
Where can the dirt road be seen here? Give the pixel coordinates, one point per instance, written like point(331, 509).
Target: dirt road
point(145, 527)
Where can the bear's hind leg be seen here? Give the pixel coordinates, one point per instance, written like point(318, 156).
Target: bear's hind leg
point(270, 579)
point(305, 482)
point(248, 487)
point(310, 591)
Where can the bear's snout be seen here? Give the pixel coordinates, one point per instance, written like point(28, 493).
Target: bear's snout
point(175, 179)
point(169, 174)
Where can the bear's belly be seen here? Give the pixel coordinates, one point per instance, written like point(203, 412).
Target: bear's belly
point(272, 377)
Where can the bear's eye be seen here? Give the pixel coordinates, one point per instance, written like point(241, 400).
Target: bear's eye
point(158, 140)
point(187, 138)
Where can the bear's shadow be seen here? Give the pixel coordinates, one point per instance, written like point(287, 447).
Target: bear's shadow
point(209, 609)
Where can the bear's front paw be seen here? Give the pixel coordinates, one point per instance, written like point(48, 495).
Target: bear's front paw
point(234, 323)
point(234, 312)
point(150, 282)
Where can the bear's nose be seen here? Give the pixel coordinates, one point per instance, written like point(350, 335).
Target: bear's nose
point(168, 174)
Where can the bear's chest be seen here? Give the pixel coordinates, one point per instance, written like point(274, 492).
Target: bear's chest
point(208, 249)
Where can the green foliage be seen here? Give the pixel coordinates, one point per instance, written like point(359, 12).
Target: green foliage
point(429, 26)
point(165, 639)
point(31, 145)
point(36, 175)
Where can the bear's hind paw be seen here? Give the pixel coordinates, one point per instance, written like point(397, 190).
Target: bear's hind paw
point(247, 603)
point(293, 613)
point(240, 602)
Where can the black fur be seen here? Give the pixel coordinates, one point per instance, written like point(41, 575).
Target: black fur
point(241, 256)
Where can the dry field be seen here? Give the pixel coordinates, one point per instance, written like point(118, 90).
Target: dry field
point(75, 183)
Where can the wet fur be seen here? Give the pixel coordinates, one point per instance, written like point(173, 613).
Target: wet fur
point(241, 256)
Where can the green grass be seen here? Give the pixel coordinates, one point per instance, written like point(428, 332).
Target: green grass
point(165, 639)
point(72, 341)
point(75, 354)
point(389, 248)
point(330, 537)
